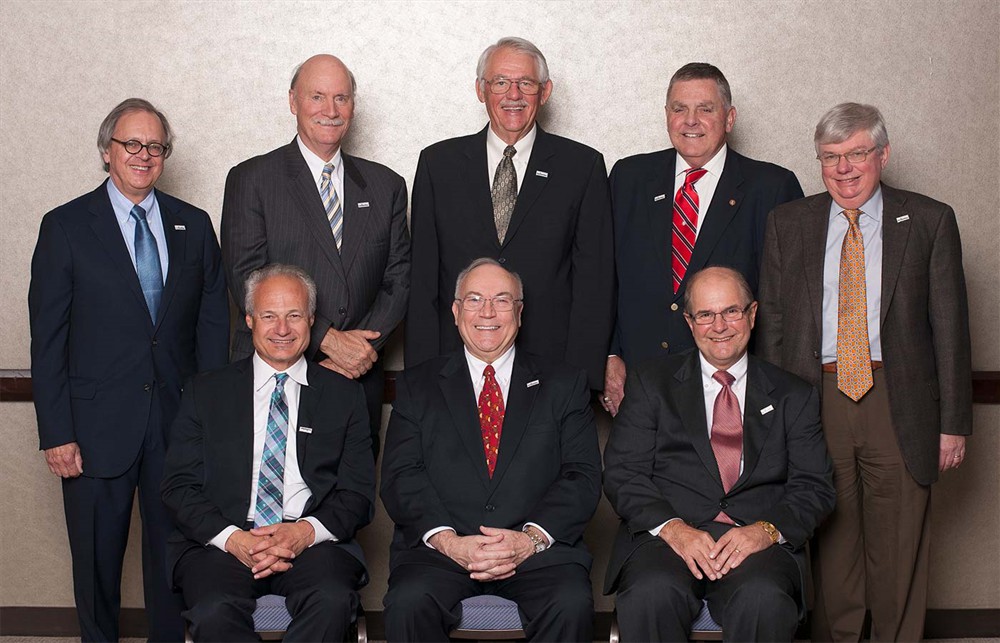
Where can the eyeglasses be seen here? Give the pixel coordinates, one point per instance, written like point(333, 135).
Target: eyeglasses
point(731, 314)
point(133, 146)
point(501, 303)
point(502, 85)
point(857, 156)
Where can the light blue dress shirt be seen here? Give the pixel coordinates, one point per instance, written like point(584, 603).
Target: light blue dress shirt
point(122, 206)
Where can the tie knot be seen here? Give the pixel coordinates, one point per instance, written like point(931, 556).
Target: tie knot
point(138, 212)
point(852, 216)
point(279, 381)
point(693, 175)
point(328, 170)
point(509, 151)
point(488, 371)
point(724, 378)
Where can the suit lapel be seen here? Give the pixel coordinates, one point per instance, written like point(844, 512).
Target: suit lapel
point(661, 213)
point(756, 424)
point(474, 169)
point(176, 248)
point(895, 234)
point(309, 206)
point(690, 402)
point(309, 397)
point(719, 214)
point(814, 226)
point(356, 202)
point(239, 420)
point(109, 234)
point(456, 386)
point(517, 410)
point(532, 184)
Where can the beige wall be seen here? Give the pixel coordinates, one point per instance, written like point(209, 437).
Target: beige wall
point(220, 71)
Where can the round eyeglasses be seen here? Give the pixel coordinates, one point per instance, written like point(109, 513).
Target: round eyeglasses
point(133, 146)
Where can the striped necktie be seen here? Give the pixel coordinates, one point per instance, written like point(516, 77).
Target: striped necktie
point(685, 225)
point(334, 211)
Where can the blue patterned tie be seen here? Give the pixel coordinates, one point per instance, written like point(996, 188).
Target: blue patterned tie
point(334, 212)
point(147, 261)
point(271, 481)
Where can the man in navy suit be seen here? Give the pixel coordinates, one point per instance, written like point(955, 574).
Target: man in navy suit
point(127, 300)
point(536, 202)
point(679, 210)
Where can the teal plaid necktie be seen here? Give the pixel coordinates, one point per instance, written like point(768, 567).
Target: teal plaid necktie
point(271, 481)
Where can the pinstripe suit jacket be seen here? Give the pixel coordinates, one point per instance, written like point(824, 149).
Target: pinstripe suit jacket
point(273, 213)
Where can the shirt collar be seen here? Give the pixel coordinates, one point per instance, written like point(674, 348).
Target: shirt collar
point(714, 166)
point(870, 208)
point(477, 365)
point(737, 370)
point(122, 205)
point(315, 163)
point(523, 146)
point(263, 372)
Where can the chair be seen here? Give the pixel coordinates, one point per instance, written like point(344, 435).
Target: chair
point(489, 618)
point(704, 627)
point(271, 620)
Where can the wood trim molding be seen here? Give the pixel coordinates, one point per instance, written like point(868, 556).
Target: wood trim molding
point(15, 386)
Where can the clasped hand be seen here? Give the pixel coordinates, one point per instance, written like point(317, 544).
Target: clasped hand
point(349, 352)
point(494, 555)
point(270, 550)
point(707, 558)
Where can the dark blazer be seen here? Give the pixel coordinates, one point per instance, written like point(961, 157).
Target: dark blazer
point(207, 476)
point(95, 353)
point(559, 241)
point(650, 316)
point(924, 314)
point(659, 462)
point(273, 213)
point(434, 472)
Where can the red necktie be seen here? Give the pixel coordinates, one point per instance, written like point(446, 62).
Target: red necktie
point(491, 417)
point(727, 435)
point(685, 224)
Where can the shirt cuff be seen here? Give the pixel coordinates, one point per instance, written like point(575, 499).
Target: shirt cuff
point(548, 536)
point(220, 540)
point(655, 531)
point(436, 530)
point(322, 535)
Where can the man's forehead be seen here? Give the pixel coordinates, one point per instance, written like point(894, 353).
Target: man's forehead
point(857, 140)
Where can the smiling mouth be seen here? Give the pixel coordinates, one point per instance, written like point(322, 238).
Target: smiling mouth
point(483, 327)
point(692, 135)
point(140, 168)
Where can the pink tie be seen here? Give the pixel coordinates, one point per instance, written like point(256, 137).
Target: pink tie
point(727, 435)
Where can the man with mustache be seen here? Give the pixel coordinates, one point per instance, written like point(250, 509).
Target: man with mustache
point(535, 202)
point(339, 217)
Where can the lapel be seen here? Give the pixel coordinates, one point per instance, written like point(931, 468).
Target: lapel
point(719, 214)
point(661, 213)
point(239, 419)
point(176, 248)
point(309, 398)
point(308, 206)
point(460, 398)
point(517, 410)
point(532, 184)
point(895, 235)
point(690, 402)
point(474, 173)
point(814, 226)
point(755, 425)
point(109, 234)
point(356, 217)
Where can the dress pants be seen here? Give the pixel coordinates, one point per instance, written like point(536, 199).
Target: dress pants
point(423, 603)
point(873, 551)
point(320, 590)
point(658, 597)
point(98, 513)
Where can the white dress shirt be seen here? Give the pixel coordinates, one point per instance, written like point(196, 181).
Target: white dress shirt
point(494, 154)
point(316, 165)
point(705, 187)
point(296, 492)
point(122, 206)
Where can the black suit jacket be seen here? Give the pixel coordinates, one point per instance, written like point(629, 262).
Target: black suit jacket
point(659, 462)
point(95, 354)
point(434, 472)
point(924, 315)
point(207, 476)
point(273, 213)
point(650, 316)
point(559, 241)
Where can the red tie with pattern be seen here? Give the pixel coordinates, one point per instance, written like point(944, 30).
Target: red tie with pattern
point(727, 435)
point(491, 417)
point(685, 224)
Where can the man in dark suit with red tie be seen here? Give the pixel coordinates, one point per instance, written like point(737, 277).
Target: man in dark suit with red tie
point(717, 466)
point(127, 301)
point(679, 210)
point(495, 504)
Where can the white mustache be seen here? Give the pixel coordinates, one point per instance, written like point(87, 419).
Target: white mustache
point(513, 103)
point(336, 122)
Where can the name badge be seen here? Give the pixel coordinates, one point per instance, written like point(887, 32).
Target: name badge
point(305, 429)
point(767, 409)
point(179, 227)
point(659, 197)
point(532, 383)
point(363, 204)
point(544, 175)
point(905, 217)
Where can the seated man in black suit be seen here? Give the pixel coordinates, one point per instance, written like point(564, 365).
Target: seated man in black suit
point(723, 513)
point(494, 504)
point(270, 463)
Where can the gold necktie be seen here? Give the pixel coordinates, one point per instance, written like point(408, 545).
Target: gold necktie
point(854, 361)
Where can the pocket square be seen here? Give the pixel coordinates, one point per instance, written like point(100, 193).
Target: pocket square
point(533, 383)
point(305, 429)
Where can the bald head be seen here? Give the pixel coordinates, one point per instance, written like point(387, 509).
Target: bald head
point(322, 98)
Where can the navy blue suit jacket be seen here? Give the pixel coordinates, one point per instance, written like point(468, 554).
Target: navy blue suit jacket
point(96, 356)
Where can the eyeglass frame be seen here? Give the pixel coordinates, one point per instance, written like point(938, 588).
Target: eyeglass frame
point(742, 312)
point(518, 82)
point(146, 146)
point(823, 158)
point(492, 300)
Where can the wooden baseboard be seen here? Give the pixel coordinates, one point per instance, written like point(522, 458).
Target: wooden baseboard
point(61, 621)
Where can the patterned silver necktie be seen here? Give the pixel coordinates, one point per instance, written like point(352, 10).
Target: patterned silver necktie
point(504, 192)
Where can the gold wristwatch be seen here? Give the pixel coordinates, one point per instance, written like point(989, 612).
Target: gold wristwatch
point(535, 539)
point(770, 529)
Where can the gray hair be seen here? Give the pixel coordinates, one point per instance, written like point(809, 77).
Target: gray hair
point(257, 277)
point(298, 68)
point(110, 122)
point(741, 282)
point(847, 119)
point(487, 261)
point(517, 44)
point(703, 71)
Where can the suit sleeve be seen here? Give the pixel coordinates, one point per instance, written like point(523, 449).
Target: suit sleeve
point(393, 295)
point(629, 459)
point(407, 492)
point(50, 300)
point(244, 232)
point(948, 314)
point(212, 332)
point(569, 503)
point(769, 315)
point(593, 300)
point(618, 220)
point(422, 337)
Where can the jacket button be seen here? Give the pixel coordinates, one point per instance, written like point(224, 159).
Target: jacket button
point(490, 507)
point(723, 504)
point(502, 260)
point(815, 354)
point(147, 388)
point(674, 307)
point(155, 342)
point(664, 345)
point(342, 311)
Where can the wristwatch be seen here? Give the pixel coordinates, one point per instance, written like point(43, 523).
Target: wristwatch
point(771, 530)
point(536, 539)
